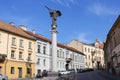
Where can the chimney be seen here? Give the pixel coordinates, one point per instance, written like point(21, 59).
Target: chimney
point(33, 31)
point(23, 27)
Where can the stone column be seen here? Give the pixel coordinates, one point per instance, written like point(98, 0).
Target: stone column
point(54, 50)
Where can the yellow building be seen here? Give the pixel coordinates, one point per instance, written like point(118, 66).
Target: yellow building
point(17, 52)
point(94, 54)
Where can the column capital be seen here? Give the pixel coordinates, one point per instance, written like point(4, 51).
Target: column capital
point(53, 31)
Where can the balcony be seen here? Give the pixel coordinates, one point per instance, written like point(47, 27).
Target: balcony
point(2, 57)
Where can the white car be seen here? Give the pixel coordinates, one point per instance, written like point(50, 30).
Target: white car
point(64, 72)
point(3, 77)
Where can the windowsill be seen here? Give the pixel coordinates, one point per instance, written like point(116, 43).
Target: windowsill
point(29, 60)
point(21, 46)
point(12, 73)
point(13, 44)
point(13, 58)
point(21, 59)
point(30, 48)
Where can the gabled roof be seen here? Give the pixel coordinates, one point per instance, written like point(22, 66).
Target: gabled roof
point(14, 30)
point(38, 36)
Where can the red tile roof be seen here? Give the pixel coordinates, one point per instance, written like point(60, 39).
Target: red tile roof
point(48, 40)
point(14, 30)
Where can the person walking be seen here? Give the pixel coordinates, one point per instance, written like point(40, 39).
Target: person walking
point(39, 75)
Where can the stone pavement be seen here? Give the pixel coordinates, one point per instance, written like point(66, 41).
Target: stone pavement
point(94, 75)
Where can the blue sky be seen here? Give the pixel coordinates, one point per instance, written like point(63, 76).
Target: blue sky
point(83, 20)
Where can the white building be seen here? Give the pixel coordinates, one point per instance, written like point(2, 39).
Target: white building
point(44, 55)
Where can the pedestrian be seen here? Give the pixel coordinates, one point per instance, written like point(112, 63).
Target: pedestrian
point(39, 74)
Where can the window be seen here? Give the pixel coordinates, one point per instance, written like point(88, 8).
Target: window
point(57, 53)
point(57, 64)
point(29, 56)
point(44, 50)
point(38, 61)
point(12, 70)
point(38, 49)
point(85, 49)
point(12, 54)
point(60, 53)
point(44, 62)
point(63, 55)
point(88, 50)
point(20, 55)
point(21, 43)
point(89, 56)
point(13, 41)
point(30, 45)
point(67, 53)
point(28, 70)
point(86, 56)
point(50, 51)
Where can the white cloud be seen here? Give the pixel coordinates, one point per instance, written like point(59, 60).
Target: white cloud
point(82, 37)
point(66, 3)
point(100, 9)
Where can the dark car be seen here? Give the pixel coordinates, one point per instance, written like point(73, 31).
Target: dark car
point(45, 73)
point(85, 70)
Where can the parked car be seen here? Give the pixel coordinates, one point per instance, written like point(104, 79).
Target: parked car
point(72, 71)
point(3, 77)
point(63, 72)
point(85, 70)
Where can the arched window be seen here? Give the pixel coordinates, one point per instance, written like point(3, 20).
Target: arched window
point(38, 61)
